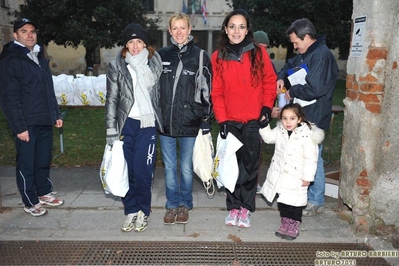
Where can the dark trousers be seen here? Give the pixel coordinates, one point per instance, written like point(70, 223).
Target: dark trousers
point(291, 212)
point(139, 151)
point(248, 157)
point(33, 164)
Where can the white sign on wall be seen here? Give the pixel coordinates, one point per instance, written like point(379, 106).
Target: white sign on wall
point(358, 36)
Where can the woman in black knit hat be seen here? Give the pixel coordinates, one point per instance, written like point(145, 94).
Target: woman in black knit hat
point(132, 114)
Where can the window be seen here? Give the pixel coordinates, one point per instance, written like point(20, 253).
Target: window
point(148, 5)
point(4, 3)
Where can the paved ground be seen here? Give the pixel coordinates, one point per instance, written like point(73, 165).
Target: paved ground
point(89, 214)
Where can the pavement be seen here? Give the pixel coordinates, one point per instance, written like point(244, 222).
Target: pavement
point(89, 214)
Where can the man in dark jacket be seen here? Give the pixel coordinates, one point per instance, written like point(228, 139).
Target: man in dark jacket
point(315, 95)
point(29, 105)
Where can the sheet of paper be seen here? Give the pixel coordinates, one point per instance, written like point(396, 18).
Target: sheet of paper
point(298, 77)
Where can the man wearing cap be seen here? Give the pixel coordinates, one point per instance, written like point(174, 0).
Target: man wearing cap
point(29, 105)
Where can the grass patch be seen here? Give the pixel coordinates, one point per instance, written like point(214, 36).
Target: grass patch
point(84, 137)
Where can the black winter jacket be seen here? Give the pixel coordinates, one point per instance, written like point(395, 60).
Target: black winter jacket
point(184, 102)
point(320, 81)
point(27, 92)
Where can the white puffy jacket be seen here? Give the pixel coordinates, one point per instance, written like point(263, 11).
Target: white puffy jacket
point(295, 159)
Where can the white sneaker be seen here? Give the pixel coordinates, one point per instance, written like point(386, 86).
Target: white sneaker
point(141, 222)
point(130, 222)
point(50, 200)
point(35, 210)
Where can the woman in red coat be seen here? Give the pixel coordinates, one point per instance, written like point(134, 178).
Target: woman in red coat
point(243, 93)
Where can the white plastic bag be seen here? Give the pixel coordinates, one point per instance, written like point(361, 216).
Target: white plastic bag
point(203, 156)
point(113, 172)
point(203, 161)
point(83, 91)
point(99, 89)
point(225, 163)
point(63, 89)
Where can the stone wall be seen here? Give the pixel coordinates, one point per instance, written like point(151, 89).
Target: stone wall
point(370, 149)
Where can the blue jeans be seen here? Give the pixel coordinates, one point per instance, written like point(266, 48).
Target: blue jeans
point(178, 193)
point(317, 188)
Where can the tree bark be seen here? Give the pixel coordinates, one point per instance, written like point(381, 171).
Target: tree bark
point(290, 52)
point(89, 57)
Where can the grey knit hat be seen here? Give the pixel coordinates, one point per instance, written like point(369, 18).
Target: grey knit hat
point(261, 37)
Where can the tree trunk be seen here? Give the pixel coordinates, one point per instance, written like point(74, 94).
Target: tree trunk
point(89, 57)
point(290, 52)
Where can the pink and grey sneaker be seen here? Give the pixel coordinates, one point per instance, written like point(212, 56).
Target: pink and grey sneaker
point(232, 218)
point(50, 200)
point(244, 219)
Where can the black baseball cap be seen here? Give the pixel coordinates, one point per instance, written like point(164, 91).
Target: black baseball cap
point(20, 23)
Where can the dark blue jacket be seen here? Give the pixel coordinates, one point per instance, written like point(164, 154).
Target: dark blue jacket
point(27, 92)
point(185, 102)
point(320, 81)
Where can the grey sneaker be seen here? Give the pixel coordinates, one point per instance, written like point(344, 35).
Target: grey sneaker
point(311, 209)
point(141, 222)
point(129, 223)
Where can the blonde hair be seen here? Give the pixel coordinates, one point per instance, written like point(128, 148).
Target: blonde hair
point(177, 16)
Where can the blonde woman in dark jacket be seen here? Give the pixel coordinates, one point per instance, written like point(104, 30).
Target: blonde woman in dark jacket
point(186, 108)
point(132, 115)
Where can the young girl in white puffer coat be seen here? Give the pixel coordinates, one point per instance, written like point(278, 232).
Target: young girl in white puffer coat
point(293, 166)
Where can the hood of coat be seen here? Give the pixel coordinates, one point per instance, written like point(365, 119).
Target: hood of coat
point(317, 134)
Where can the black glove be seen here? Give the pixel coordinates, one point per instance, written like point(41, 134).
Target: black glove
point(206, 127)
point(265, 117)
point(223, 130)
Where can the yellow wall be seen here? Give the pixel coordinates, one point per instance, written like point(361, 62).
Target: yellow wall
point(71, 61)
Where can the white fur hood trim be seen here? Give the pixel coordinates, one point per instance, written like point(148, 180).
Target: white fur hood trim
point(317, 134)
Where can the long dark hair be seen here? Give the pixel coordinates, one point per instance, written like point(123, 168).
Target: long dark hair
point(255, 54)
point(298, 110)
